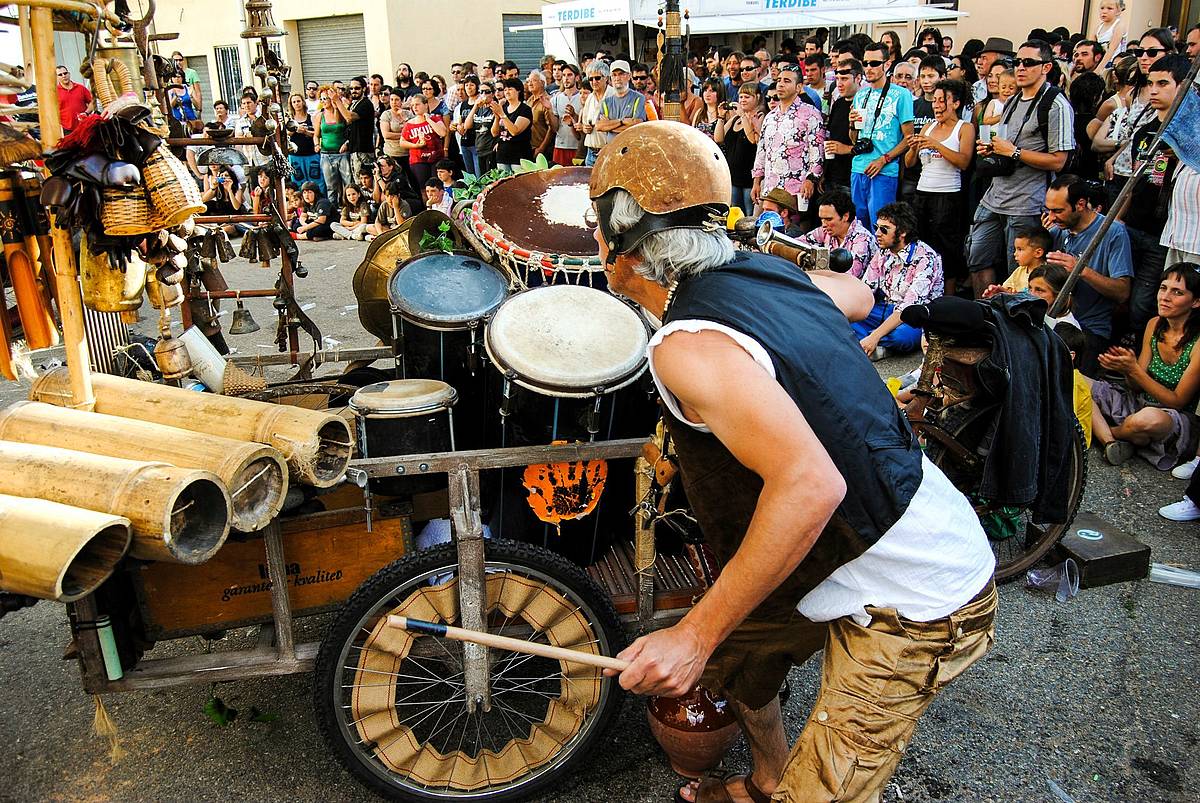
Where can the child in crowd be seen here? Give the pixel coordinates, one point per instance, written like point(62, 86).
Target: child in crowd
point(1030, 247)
point(366, 182)
point(356, 215)
point(1073, 337)
point(314, 215)
point(1046, 282)
point(261, 196)
point(445, 173)
point(436, 196)
point(392, 211)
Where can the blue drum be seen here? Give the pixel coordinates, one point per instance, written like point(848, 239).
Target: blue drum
point(439, 303)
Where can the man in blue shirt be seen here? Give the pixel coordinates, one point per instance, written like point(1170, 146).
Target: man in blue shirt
point(1106, 280)
point(882, 113)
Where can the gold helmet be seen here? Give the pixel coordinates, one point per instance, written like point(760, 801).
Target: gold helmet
point(674, 171)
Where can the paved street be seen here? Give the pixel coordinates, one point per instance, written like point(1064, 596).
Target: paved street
point(1099, 695)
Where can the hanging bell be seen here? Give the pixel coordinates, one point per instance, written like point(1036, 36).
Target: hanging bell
point(243, 322)
point(208, 245)
point(249, 249)
point(225, 250)
point(259, 21)
point(171, 356)
point(163, 295)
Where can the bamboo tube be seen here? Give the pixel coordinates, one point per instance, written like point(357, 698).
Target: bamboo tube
point(255, 474)
point(66, 281)
point(177, 514)
point(58, 552)
point(316, 444)
point(505, 643)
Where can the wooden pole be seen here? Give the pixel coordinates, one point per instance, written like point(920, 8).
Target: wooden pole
point(66, 277)
point(505, 643)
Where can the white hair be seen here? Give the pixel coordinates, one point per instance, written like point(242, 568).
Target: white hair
point(664, 257)
point(538, 74)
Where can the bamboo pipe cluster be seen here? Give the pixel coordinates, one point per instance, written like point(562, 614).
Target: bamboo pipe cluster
point(254, 474)
point(316, 443)
point(177, 514)
point(57, 552)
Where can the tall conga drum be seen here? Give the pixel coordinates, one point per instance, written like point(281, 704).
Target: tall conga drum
point(535, 225)
point(439, 304)
point(568, 365)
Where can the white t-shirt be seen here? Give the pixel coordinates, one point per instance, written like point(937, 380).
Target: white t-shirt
point(928, 564)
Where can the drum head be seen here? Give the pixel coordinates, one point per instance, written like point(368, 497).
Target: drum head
point(446, 291)
point(567, 340)
point(542, 211)
point(400, 398)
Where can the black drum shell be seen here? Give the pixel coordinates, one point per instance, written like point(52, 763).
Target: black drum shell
point(393, 436)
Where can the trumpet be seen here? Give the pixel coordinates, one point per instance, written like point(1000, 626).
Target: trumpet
point(771, 240)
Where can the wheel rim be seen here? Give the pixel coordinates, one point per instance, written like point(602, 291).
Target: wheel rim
point(404, 715)
point(1028, 542)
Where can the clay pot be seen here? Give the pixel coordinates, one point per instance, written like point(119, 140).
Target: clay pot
point(695, 730)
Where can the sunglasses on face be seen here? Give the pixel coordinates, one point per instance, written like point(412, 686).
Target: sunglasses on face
point(792, 68)
point(1029, 64)
point(772, 98)
point(882, 229)
point(1152, 52)
point(639, 78)
point(874, 63)
point(749, 69)
point(844, 72)
point(595, 77)
point(485, 91)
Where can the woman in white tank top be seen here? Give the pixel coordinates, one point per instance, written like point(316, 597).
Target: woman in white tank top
point(944, 148)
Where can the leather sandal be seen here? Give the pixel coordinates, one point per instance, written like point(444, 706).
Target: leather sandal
point(713, 789)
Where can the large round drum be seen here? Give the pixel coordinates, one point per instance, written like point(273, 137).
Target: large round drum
point(568, 341)
point(405, 416)
point(567, 361)
point(535, 224)
point(439, 303)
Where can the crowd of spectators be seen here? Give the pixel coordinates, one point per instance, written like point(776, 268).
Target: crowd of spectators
point(974, 172)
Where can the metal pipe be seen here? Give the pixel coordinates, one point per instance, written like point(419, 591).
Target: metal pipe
point(1064, 295)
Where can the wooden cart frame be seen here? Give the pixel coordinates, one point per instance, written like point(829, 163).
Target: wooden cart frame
point(277, 653)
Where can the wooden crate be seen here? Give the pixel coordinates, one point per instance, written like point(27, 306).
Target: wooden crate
point(328, 555)
point(1113, 557)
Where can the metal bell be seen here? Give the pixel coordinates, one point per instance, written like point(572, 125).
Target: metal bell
point(172, 358)
point(259, 21)
point(249, 249)
point(243, 322)
point(225, 250)
point(208, 245)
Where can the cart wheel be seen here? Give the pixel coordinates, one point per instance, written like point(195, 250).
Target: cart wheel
point(1030, 542)
point(391, 706)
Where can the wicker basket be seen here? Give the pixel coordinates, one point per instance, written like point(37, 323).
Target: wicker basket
point(128, 212)
point(172, 190)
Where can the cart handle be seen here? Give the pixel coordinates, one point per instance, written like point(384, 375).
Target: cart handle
point(505, 643)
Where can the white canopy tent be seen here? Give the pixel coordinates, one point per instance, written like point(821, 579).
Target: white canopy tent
point(559, 20)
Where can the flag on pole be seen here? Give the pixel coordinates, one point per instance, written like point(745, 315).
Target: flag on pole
point(1183, 134)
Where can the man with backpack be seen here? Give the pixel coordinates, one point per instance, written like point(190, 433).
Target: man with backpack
point(1036, 137)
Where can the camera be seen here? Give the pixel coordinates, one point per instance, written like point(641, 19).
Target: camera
point(993, 165)
point(862, 147)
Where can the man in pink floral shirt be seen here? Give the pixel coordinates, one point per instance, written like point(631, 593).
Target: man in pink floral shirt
point(905, 271)
point(841, 228)
point(791, 148)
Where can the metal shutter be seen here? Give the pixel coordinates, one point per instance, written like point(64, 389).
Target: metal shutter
point(332, 48)
point(229, 73)
point(523, 47)
point(200, 65)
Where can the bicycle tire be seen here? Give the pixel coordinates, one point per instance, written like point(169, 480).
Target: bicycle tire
point(968, 425)
point(398, 583)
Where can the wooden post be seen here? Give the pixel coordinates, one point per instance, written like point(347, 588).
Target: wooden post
point(281, 604)
point(66, 276)
point(472, 593)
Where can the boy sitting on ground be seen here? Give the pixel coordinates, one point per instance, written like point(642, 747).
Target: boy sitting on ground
point(1030, 247)
point(1073, 337)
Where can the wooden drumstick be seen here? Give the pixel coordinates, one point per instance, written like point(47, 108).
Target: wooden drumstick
point(506, 643)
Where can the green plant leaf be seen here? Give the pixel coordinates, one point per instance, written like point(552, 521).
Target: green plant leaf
point(216, 710)
point(443, 227)
point(527, 165)
point(469, 177)
point(542, 162)
point(261, 716)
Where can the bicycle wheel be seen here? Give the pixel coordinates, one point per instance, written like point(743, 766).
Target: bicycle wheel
point(391, 706)
point(1029, 542)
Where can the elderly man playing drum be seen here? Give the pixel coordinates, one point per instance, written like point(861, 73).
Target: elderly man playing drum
point(833, 529)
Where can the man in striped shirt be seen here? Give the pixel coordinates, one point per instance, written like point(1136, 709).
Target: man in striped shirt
point(1014, 201)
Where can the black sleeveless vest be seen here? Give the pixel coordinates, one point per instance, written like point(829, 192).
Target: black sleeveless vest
point(819, 363)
